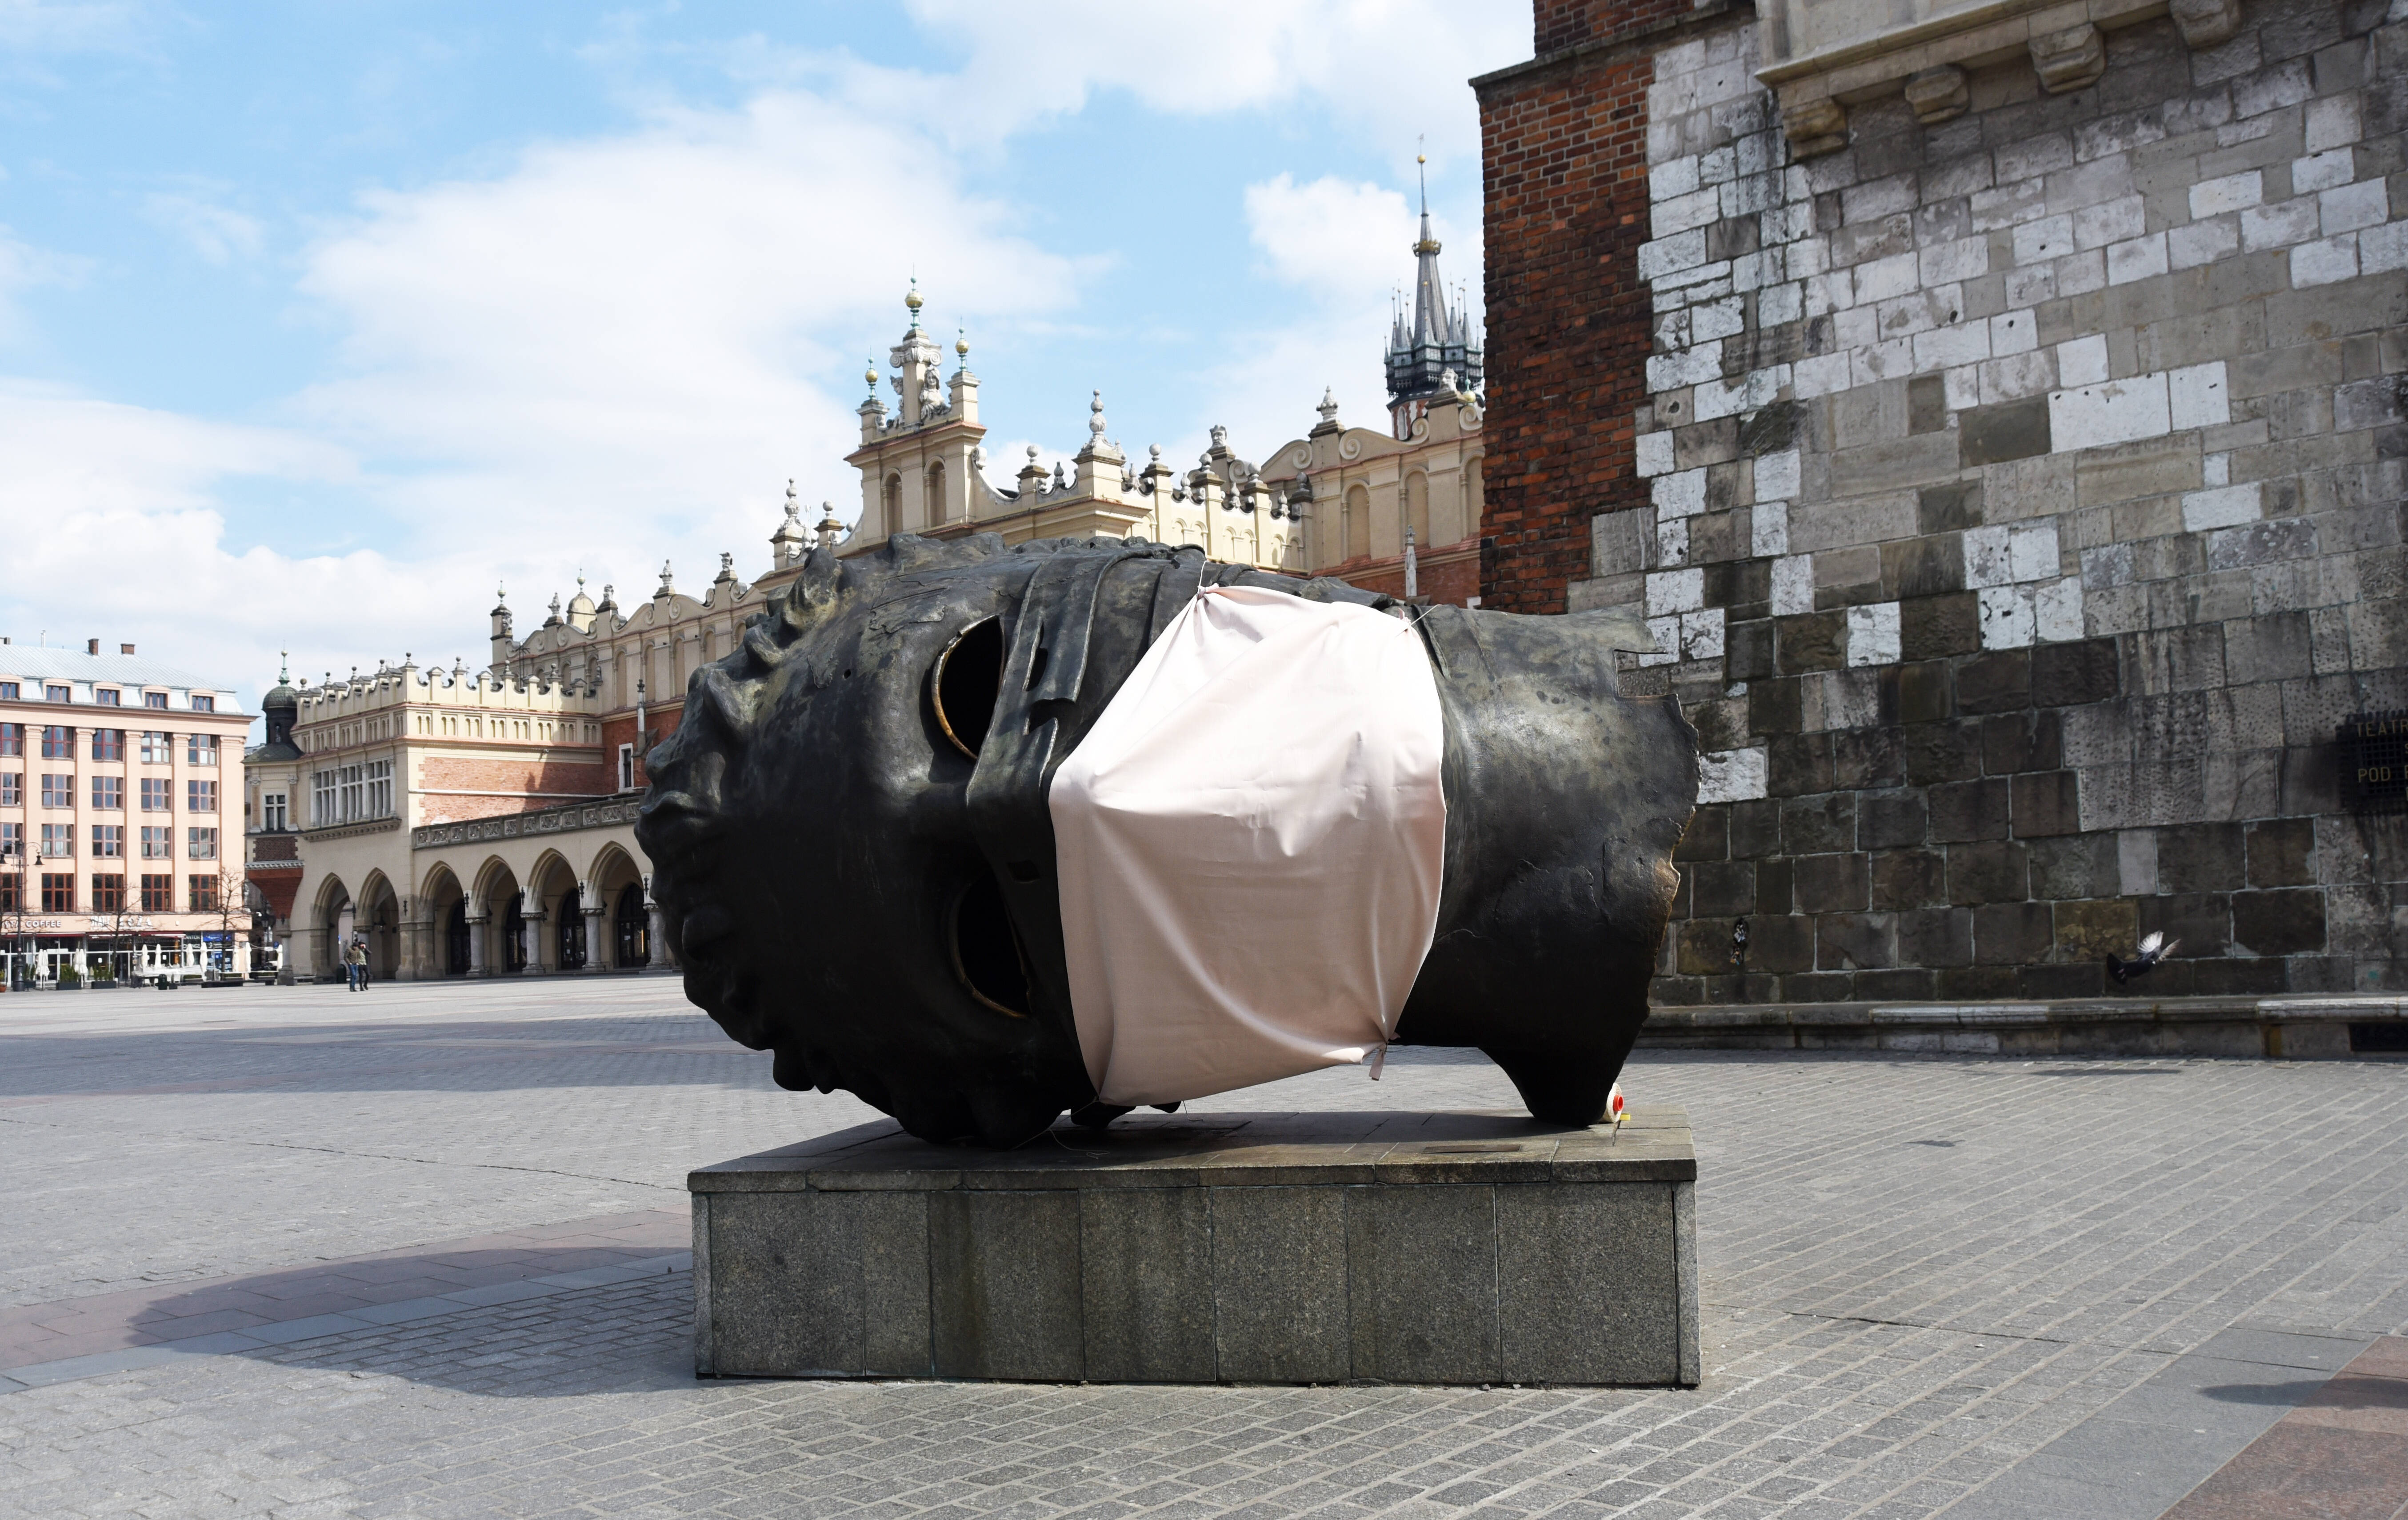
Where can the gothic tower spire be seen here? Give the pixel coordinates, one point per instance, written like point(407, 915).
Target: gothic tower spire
point(1439, 347)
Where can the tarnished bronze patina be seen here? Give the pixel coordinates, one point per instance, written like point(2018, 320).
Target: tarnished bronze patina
point(851, 841)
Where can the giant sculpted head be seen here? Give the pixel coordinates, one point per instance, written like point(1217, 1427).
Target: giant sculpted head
point(851, 841)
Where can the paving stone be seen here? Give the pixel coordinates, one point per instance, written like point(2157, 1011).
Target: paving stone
point(1919, 1273)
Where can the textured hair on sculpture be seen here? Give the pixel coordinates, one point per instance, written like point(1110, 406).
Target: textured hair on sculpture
point(853, 850)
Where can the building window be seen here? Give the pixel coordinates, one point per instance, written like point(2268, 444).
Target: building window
point(12, 738)
point(203, 893)
point(350, 802)
point(154, 794)
point(108, 841)
point(158, 894)
point(109, 743)
point(103, 697)
point(58, 694)
point(626, 767)
point(58, 840)
point(58, 742)
point(58, 892)
point(201, 844)
point(158, 749)
point(201, 749)
point(108, 793)
point(379, 789)
point(158, 843)
point(9, 691)
point(322, 799)
point(204, 704)
point(12, 791)
point(108, 894)
point(154, 699)
point(272, 813)
point(12, 841)
point(12, 893)
point(200, 797)
point(58, 791)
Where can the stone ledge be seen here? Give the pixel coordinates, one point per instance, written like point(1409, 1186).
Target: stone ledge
point(2290, 1027)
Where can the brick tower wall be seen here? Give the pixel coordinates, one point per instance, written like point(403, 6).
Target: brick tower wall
point(2018, 499)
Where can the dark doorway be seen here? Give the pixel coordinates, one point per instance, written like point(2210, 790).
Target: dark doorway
point(572, 935)
point(635, 928)
point(456, 938)
point(514, 935)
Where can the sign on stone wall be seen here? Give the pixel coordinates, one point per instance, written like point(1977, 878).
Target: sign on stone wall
point(2374, 762)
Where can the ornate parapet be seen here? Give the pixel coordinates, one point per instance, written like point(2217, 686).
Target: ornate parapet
point(617, 812)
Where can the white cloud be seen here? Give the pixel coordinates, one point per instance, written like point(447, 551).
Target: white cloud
point(23, 267)
point(1347, 246)
point(1334, 238)
point(620, 347)
point(637, 339)
point(32, 26)
point(218, 234)
point(1393, 70)
point(122, 538)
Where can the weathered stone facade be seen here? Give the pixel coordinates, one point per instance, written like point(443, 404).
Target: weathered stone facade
point(2023, 510)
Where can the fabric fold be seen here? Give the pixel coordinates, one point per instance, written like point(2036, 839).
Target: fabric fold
point(1249, 845)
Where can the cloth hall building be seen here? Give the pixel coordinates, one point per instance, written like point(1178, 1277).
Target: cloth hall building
point(481, 820)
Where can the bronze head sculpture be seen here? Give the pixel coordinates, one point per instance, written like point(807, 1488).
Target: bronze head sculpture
point(851, 845)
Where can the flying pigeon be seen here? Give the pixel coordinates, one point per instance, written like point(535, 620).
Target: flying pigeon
point(2157, 947)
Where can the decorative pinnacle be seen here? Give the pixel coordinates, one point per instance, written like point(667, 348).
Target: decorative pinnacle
point(793, 508)
point(912, 302)
point(1096, 417)
point(962, 344)
point(871, 375)
point(1328, 407)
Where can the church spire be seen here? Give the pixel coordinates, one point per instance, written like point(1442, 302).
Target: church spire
point(1437, 354)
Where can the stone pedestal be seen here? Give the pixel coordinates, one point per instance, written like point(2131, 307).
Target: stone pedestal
point(1424, 1248)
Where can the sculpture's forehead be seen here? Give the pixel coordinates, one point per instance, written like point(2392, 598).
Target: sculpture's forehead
point(901, 610)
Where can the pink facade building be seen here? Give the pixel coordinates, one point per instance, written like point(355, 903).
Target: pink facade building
point(121, 819)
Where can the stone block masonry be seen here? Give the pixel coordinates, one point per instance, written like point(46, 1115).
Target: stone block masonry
point(2016, 497)
point(1362, 1247)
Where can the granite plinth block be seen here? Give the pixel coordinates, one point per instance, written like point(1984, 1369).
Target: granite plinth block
point(1417, 1248)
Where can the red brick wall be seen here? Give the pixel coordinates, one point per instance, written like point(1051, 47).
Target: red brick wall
point(661, 721)
point(1450, 575)
point(278, 888)
point(1568, 23)
point(1564, 154)
point(490, 788)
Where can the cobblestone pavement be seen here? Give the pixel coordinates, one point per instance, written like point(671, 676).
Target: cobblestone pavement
point(1919, 1272)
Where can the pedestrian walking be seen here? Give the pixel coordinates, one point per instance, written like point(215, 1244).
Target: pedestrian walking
point(356, 959)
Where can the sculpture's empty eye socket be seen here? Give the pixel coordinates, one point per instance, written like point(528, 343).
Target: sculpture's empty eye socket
point(986, 951)
point(967, 681)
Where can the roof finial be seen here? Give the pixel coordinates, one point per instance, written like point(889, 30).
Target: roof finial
point(1096, 417)
point(1422, 160)
point(870, 374)
point(283, 667)
point(962, 346)
point(912, 302)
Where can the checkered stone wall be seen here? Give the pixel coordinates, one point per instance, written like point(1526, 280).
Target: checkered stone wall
point(2023, 516)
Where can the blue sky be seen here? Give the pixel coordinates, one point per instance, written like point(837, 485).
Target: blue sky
point(316, 320)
